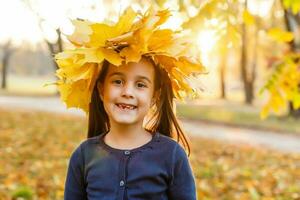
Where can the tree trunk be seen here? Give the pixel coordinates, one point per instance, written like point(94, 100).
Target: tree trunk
point(55, 48)
point(222, 76)
point(7, 52)
point(4, 72)
point(247, 81)
point(254, 61)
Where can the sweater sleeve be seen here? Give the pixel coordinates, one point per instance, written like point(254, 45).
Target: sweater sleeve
point(74, 185)
point(182, 185)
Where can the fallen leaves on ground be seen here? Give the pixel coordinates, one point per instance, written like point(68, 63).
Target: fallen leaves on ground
point(239, 171)
point(35, 149)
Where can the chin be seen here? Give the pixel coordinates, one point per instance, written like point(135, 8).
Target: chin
point(127, 122)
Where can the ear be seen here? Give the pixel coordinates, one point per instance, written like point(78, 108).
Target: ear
point(100, 90)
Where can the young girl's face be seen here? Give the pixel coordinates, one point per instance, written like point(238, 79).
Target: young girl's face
point(127, 92)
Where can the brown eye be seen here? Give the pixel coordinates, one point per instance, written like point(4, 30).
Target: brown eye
point(117, 81)
point(141, 85)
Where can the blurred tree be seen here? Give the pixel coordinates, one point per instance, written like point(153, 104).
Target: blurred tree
point(247, 71)
point(221, 16)
point(7, 51)
point(283, 84)
point(292, 21)
point(53, 46)
point(250, 42)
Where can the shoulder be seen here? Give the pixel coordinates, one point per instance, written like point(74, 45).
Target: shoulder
point(83, 147)
point(171, 145)
point(166, 140)
point(88, 142)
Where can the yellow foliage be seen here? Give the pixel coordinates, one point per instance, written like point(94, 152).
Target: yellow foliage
point(280, 35)
point(283, 86)
point(294, 5)
point(222, 171)
point(126, 41)
point(248, 18)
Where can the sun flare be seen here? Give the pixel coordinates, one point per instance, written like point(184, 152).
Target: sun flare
point(206, 41)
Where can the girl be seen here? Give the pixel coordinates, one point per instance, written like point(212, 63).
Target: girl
point(121, 85)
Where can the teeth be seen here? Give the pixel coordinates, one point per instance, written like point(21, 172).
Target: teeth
point(126, 106)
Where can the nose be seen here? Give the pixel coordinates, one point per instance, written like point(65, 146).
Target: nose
point(128, 90)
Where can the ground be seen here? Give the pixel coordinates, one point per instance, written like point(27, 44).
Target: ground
point(35, 149)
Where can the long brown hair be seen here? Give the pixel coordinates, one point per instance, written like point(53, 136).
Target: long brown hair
point(163, 119)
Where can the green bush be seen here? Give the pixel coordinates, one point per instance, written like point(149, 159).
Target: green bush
point(22, 193)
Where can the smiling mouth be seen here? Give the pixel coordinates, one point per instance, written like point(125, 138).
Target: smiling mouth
point(126, 106)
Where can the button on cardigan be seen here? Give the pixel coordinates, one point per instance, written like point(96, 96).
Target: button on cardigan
point(158, 170)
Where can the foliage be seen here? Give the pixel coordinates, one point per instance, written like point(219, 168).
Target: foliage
point(22, 193)
point(226, 29)
point(133, 36)
point(283, 85)
point(228, 171)
point(294, 5)
point(280, 35)
point(248, 18)
point(35, 149)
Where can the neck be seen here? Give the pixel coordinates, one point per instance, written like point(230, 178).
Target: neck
point(124, 133)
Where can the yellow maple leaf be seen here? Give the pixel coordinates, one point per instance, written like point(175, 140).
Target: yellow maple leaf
point(125, 41)
point(180, 45)
point(111, 56)
point(77, 57)
point(163, 16)
point(280, 35)
point(160, 40)
point(76, 92)
point(188, 67)
point(95, 34)
point(166, 61)
point(131, 54)
point(81, 33)
point(248, 18)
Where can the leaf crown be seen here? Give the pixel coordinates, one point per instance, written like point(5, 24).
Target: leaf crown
point(133, 36)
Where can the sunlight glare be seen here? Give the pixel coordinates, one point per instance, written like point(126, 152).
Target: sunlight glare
point(260, 7)
point(15, 26)
point(206, 42)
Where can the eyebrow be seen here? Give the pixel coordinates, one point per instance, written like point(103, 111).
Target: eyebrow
point(138, 76)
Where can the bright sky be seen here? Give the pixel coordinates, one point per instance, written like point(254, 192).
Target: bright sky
point(19, 23)
point(260, 7)
point(16, 22)
point(23, 25)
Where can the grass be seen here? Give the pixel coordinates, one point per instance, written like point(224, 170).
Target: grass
point(32, 86)
point(228, 114)
point(237, 116)
point(35, 148)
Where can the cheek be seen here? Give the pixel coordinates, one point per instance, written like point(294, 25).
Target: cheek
point(145, 98)
point(110, 92)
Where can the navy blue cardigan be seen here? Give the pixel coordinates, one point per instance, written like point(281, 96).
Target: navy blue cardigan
point(158, 170)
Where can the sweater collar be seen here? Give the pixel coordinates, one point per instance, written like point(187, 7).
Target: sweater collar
point(151, 144)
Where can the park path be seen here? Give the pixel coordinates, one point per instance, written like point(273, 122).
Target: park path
point(287, 143)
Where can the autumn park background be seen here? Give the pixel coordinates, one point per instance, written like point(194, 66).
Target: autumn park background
point(244, 128)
